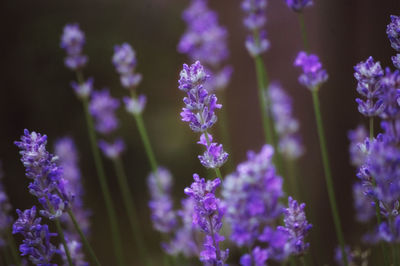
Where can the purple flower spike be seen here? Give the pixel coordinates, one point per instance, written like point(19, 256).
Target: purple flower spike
point(279, 245)
point(298, 5)
point(389, 85)
point(313, 75)
point(368, 74)
point(83, 90)
point(255, 21)
point(208, 213)
point(76, 253)
point(297, 226)
point(363, 205)
point(47, 182)
point(200, 105)
point(102, 107)
point(357, 153)
point(161, 205)
point(36, 243)
point(393, 32)
point(65, 150)
point(258, 258)
point(252, 195)
point(112, 150)
point(72, 41)
point(286, 126)
point(5, 208)
point(124, 60)
point(135, 106)
point(214, 156)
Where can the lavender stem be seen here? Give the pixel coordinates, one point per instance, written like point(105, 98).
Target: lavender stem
point(84, 239)
point(11, 243)
point(64, 243)
point(130, 209)
point(328, 175)
point(103, 184)
point(303, 32)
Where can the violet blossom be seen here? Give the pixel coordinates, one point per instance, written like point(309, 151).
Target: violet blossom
point(313, 74)
point(102, 107)
point(72, 41)
point(299, 5)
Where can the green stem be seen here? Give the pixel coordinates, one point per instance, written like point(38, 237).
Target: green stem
point(104, 187)
point(328, 176)
point(292, 261)
point(217, 171)
point(303, 32)
point(130, 209)
point(84, 239)
point(371, 128)
point(146, 142)
point(13, 248)
point(62, 237)
point(292, 178)
point(6, 256)
point(303, 261)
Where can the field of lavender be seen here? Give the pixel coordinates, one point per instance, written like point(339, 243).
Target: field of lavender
point(201, 132)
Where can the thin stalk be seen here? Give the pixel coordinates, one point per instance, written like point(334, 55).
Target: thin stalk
point(377, 208)
point(104, 187)
point(146, 142)
point(291, 172)
point(303, 261)
point(84, 239)
point(303, 32)
point(13, 248)
point(217, 171)
point(328, 176)
point(130, 209)
point(7, 258)
point(292, 262)
point(61, 235)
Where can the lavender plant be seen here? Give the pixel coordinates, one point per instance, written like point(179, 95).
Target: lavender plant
point(72, 42)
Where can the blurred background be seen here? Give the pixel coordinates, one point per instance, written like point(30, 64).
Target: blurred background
point(36, 95)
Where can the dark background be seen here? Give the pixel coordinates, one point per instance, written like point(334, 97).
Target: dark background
point(35, 94)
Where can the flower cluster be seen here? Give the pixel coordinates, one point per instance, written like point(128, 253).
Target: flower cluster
point(124, 60)
point(257, 42)
point(299, 5)
point(286, 126)
point(72, 41)
point(5, 208)
point(84, 89)
point(205, 40)
point(313, 75)
point(356, 147)
point(47, 184)
point(208, 213)
point(36, 243)
point(161, 205)
point(393, 32)
point(252, 195)
point(200, 112)
point(368, 74)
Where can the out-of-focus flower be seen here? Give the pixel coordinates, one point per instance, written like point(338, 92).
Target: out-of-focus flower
point(72, 41)
point(313, 75)
point(102, 107)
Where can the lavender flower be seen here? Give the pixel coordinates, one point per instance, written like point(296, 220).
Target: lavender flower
point(390, 232)
point(102, 107)
point(47, 182)
point(208, 213)
point(258, 258)
point(313, 75)
point(357, 153)
point(214, 156)
point(252, 195)
point(298, 5)
point(36, 243)
point(255, 21)
point(112, 150)
point(135, 106)
point(363, 205)
point(393, 32)
point(84, 89)
point(389, 85)
point(205, 40)
point(72, 41)
point(184, 237)
point(161, 205)
point(200, 105)
point(368, 74)
point(124, 60)
point(278, 240)
point(5, 208)
point(297, 226)
point(65, 150)
point(285, 125)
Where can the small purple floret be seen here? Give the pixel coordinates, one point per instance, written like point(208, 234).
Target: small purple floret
point(299, 5)
point(313, 75)
point(112, 150)
point(102, 107)
point(124, 60)
point(72, 41)
point(214, 156)
point(393, 32)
